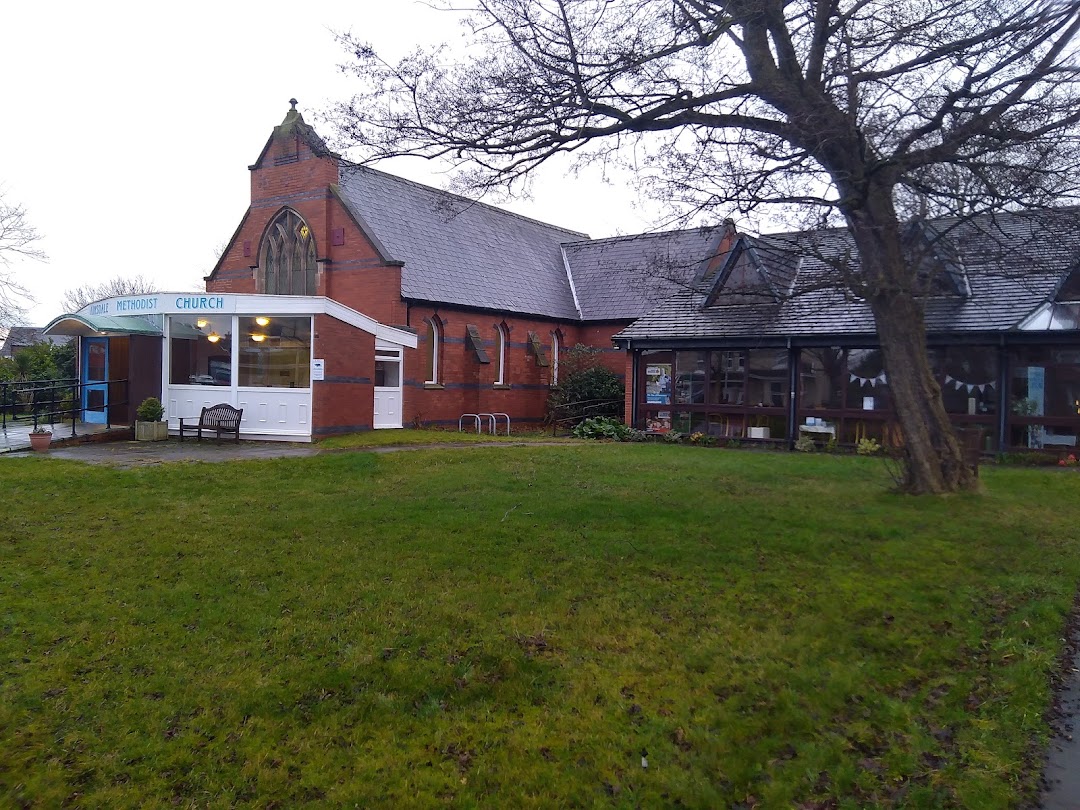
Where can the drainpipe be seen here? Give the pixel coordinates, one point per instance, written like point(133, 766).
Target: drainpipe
point(793, 387)
point(1003, 396)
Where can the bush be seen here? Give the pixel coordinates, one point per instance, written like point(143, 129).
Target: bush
point(605, 427)
point(1027, 458)
point(585, 389)
point(868, 447)
point(804, 444)
point(151, 410)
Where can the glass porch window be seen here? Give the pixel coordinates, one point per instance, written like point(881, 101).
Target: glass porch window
point(275, 354)
point(200, 350)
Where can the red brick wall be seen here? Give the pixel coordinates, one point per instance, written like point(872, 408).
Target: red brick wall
point(468, 386)
point(343, 402)
point(354, 274)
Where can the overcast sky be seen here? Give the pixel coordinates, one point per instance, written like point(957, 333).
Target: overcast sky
point(129, 127)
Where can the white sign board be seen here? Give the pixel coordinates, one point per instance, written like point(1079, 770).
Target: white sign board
point(318, 369)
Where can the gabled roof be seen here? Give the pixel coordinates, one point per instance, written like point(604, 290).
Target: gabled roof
point(1012, 263)
point(20, 337)
point(458, 251)
point(623, 277)
point(294, 125)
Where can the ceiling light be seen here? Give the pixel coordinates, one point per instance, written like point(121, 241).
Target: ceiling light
point(262, 320)
point(201, 323)
point(258, 338)
point(213, 337)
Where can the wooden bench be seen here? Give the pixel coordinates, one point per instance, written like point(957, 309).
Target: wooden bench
point(220, 418)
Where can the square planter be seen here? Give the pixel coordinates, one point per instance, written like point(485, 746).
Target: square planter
point(759, 433)
point(151, 431)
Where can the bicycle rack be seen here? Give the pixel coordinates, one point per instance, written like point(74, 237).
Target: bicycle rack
point(465, 416)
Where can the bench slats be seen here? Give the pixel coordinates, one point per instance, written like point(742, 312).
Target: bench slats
point(220, 418)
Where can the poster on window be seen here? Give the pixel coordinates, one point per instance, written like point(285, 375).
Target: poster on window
point(658, 384)
point(659, 422)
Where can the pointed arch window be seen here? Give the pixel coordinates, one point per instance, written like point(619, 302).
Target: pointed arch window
point(433, 353)
point(288, 257)
point(500, 354)
point(554, 358)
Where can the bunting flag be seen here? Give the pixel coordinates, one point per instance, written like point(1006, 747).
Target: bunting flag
point(864, 381)
point(958, 384)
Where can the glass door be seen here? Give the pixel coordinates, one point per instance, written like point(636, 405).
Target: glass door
point(95, 376)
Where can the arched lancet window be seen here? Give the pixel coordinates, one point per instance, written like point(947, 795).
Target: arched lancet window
point(554, 358)
point(288, 257)
point(433, 352)
point(500, 354)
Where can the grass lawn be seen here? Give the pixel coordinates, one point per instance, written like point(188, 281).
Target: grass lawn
point(520, 626)
point(428, 436)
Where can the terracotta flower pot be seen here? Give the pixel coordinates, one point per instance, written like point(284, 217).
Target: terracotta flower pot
point(40, 441)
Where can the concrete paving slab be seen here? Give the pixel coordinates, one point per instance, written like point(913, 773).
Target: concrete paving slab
point(1061, 776)
point(127, 454)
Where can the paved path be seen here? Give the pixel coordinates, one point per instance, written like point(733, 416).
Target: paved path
point(1062, 773)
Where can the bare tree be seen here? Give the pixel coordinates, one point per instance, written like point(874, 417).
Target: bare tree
point(78, 297)
point(855, 112)
point(18, 239)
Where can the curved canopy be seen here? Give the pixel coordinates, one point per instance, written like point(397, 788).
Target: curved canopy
point(99, 325)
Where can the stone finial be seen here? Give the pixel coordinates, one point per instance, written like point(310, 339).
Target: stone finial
point(292, 101)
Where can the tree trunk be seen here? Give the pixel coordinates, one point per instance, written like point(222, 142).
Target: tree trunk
point(934, 458)
point(933, 455)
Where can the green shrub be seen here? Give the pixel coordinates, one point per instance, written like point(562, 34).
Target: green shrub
point(602, 427)
point(804, 444)
point(1028, 459)
point(585, 389)
point(868, 447)
point(151, 410)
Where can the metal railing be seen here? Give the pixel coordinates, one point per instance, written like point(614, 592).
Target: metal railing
point(40, 402)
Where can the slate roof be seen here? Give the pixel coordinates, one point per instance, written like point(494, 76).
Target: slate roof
point(623, 277)
point(1013, 263)
point(459, 251)
point(19, 337)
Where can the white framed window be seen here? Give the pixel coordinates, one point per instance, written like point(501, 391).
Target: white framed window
point(554, 358)
point(500, 354)
point(433, 353)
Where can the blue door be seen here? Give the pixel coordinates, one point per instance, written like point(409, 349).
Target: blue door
point(95, 376)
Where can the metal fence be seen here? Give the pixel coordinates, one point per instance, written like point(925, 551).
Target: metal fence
point(51, 402)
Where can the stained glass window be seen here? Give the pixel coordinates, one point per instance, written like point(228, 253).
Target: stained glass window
point(288, 257)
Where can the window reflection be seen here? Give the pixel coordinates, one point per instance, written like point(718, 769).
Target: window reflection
point(275, 354)
point(200, 350)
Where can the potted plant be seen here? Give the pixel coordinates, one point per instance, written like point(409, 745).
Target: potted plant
point(40, 439)
point(148, 424)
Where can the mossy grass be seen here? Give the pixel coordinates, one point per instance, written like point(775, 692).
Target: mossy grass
point(520, 626)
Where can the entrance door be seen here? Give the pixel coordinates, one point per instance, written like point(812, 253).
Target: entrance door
point(387, 388)
point(95, 376)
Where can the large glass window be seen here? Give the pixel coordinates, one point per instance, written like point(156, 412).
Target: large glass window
point(690, 369)
point(200, 350)
point(727, 378)
point(275, 352)
point(767, 378)
point(968, 376)
point(868, 385)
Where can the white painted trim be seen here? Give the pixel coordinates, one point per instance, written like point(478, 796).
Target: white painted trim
point(183, 303)
point(570, 278)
